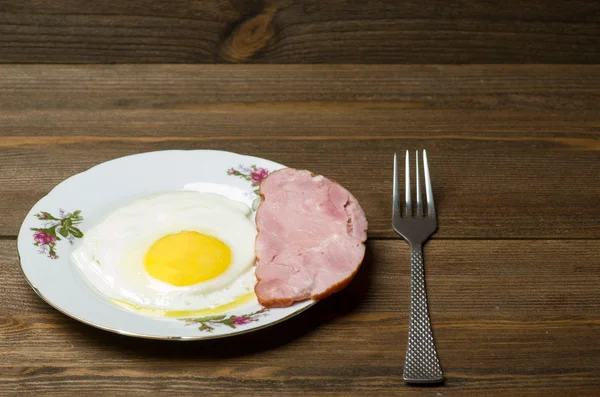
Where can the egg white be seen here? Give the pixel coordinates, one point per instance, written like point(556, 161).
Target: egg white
point(111, 254)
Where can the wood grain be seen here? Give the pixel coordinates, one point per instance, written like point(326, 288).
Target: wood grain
point(300, 31)
point(515, 150)
point(510, 317)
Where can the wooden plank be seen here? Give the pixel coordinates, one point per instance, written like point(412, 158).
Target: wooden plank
point(331, 31)
point(294, 88)
point(510, 317)
point(514, 149)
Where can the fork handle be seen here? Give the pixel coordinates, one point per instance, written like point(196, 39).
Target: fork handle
point(422, 364)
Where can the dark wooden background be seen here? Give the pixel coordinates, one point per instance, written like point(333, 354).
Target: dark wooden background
point(504, 95)
point(300, 31)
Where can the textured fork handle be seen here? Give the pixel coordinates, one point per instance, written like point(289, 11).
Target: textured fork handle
point(422, 364)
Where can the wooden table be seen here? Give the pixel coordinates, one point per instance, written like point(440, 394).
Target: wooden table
point(513, 272)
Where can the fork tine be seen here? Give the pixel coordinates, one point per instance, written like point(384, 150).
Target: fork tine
point(428, 190)
point(395, 194)
point(407, 186)
point(419, 201)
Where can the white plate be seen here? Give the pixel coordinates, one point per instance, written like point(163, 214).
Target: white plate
point(100, 190)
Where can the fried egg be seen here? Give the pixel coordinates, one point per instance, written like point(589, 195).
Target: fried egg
point(179, 251)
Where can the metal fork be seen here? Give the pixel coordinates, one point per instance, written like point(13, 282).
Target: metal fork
point(422, 364)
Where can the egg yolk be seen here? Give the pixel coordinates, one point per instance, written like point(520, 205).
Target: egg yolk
point(187, 258)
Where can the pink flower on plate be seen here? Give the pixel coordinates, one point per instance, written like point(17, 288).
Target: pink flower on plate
point(53, 256)
point(43, 216)
point(258, 175)
point(231, 171)
point(43, 238)
point(241, 320)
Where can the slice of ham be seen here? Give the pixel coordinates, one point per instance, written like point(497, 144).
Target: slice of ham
point(310, 242)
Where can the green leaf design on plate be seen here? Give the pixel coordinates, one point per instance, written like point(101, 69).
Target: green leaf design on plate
point(205, 319)
point(46, 215)
point(52, 230)
point(75, 232)
point(207, 324)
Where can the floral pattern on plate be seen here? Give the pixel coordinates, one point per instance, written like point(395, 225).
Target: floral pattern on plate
point(207, 324)
point(253, 174)
point(46, 237)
